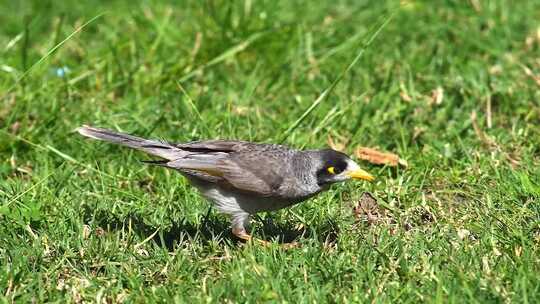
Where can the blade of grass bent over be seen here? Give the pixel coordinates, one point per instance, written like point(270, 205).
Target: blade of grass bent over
point(49, 53)
point(223, 56)
point(327, 91)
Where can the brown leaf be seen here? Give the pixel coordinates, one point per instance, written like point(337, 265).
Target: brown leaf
point(379, 158)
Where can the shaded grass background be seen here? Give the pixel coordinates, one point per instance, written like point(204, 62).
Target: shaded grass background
point(83, 220)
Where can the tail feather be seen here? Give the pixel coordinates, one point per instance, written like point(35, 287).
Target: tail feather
point(153, 147)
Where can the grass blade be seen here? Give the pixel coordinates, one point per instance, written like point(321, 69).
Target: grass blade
point(327, 91)
point(50, 52)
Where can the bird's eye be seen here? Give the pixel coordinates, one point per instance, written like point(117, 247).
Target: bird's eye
point(331, 170)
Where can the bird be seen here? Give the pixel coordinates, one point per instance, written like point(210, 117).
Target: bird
point(242, 178)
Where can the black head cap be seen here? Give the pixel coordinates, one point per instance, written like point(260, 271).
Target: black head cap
point(331, 165)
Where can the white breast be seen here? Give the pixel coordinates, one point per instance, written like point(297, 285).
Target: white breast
point(229, 202)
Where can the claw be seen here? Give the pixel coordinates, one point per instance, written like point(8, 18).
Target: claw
point(243, 235)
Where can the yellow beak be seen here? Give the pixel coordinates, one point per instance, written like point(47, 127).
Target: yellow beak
point(360, 174)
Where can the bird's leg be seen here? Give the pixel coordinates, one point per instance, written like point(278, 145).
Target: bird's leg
point(241, 234)
point(239, 223)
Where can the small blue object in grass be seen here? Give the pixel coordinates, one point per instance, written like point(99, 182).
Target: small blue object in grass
point(61, 71)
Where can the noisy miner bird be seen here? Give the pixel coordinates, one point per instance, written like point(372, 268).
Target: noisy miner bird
point(243, 178)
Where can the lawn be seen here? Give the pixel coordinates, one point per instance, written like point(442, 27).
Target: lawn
point(453, 87)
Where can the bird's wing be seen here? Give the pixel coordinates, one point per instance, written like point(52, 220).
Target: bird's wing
point(258, 172)
point(243, 165)
point(213, 146)
point(258, 177)
point(255, 168)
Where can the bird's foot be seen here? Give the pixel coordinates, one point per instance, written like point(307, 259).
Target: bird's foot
point(243, 235)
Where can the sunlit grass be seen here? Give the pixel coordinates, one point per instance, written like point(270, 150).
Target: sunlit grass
point(87, 221)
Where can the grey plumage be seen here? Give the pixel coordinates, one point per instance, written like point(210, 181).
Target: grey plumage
point(243, 178)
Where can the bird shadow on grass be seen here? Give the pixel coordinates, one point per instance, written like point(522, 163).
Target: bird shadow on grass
point(283, 234)
point(216, 228)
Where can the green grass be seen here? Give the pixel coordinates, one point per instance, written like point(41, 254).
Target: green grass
point(86, 221)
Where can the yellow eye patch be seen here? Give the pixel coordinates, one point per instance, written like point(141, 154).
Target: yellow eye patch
point(331, 170)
